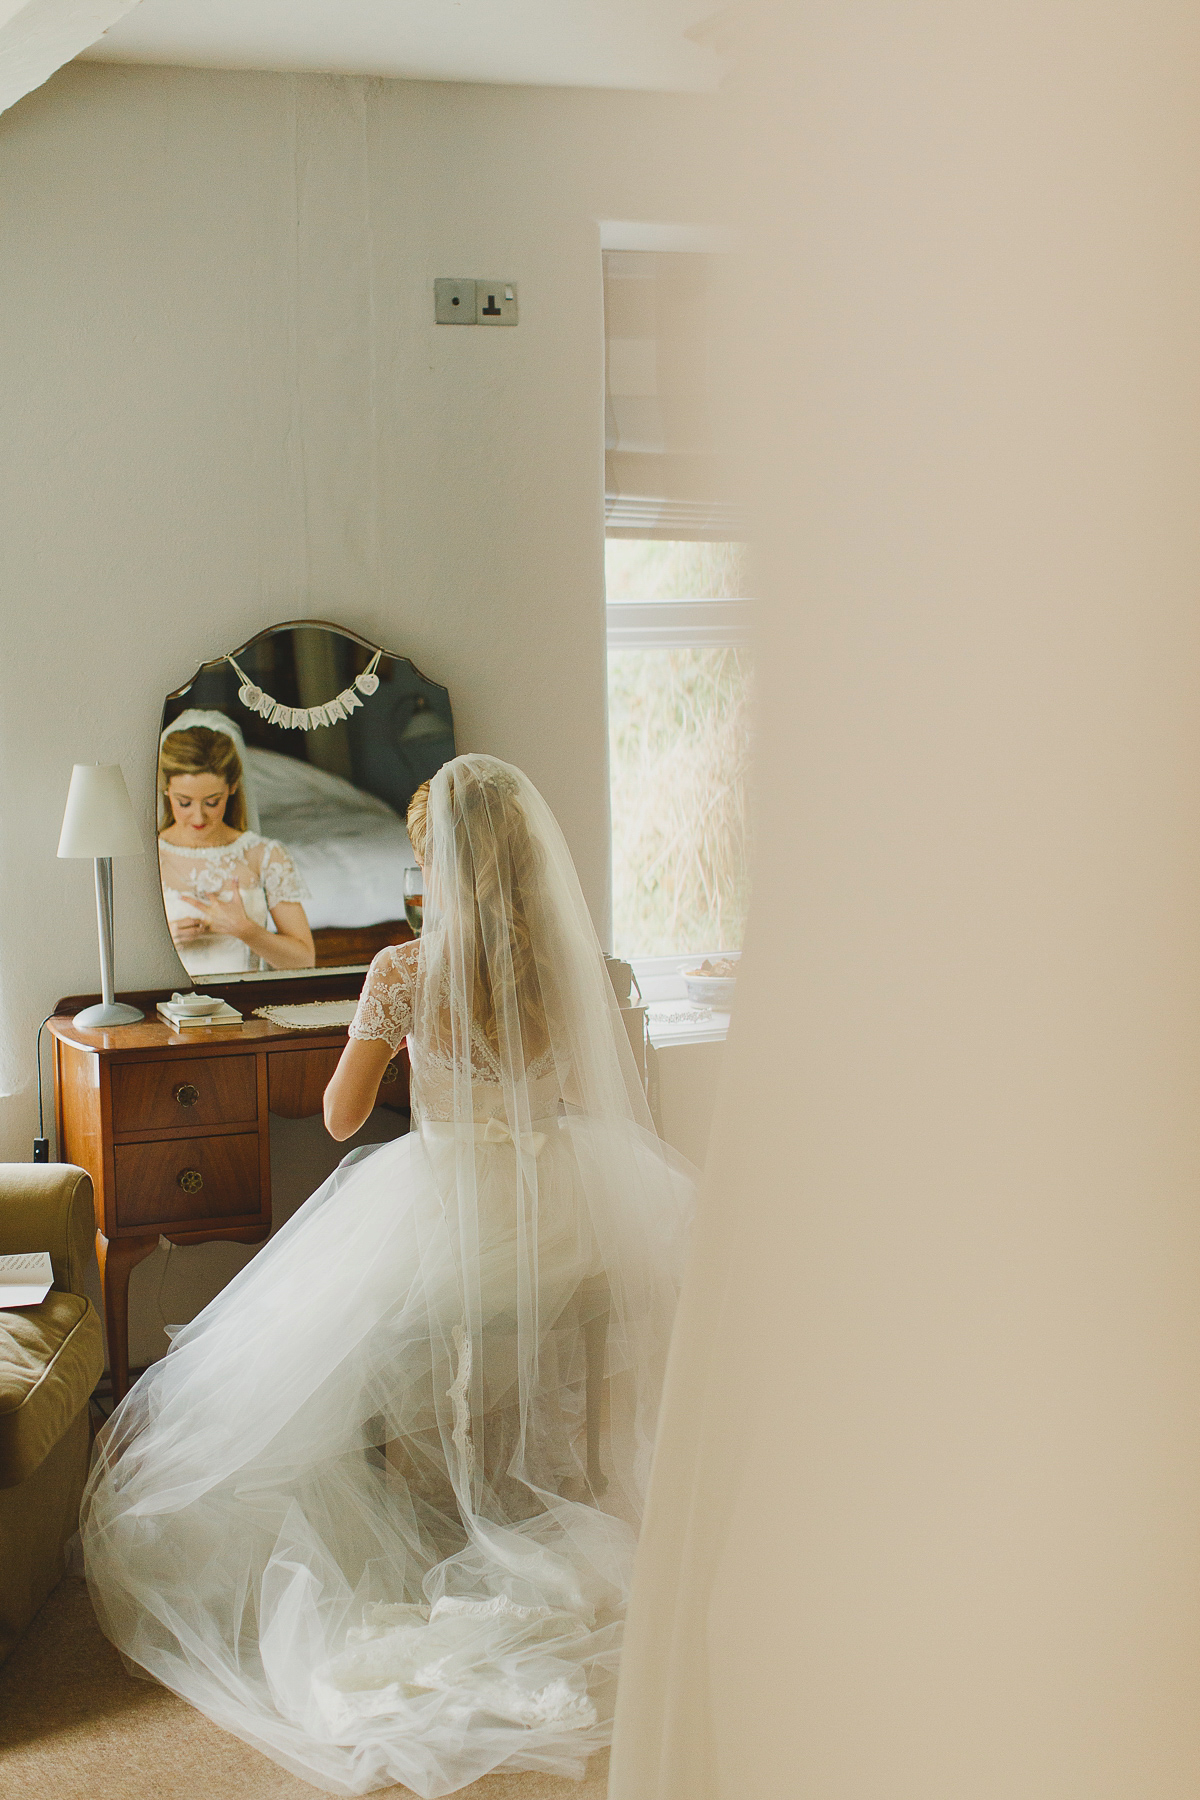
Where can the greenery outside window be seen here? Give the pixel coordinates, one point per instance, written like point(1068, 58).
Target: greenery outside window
point(679, 680)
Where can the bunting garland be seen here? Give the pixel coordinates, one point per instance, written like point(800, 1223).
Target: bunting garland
point(307, 718)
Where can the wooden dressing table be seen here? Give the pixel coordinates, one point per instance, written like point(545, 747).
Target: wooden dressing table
point(174, 1126)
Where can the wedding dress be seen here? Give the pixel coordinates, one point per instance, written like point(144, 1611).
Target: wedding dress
point(260, 868)
point(349, 1514)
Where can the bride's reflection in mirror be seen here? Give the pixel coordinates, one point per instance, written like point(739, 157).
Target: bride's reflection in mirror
point(234, 899)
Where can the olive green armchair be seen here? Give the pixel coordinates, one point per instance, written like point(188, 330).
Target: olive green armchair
point(51, 1357)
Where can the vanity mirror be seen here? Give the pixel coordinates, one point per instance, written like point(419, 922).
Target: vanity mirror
point(285, 769)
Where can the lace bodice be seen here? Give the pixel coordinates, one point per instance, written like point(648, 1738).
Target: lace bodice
point(250, 862)
point(259, 867)
point(385, 1012)
point(385, 1005)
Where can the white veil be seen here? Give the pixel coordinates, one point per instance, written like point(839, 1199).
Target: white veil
point(375, 1511)
point(219, 721)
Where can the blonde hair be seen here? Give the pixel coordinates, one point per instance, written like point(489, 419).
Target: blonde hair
point(417, 821)
point(506, 884)
point(199, 751)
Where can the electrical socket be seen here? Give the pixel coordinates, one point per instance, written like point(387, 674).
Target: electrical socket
point(453, 301)
point(495, 302)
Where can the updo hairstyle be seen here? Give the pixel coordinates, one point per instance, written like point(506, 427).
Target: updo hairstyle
point(199, 751)
point(417, 821)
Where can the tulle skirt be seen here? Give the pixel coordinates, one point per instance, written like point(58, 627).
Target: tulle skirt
point(349, 1514)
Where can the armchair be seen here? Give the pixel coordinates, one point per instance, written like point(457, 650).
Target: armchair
point(51, 1357)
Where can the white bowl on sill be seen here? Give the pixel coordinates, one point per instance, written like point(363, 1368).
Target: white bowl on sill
point(709, 990)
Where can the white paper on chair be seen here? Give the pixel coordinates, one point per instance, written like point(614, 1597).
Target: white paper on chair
point(25, 1279)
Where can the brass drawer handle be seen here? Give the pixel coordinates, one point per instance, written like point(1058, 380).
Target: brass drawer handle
point(186, 1094)
point(190, 1180)
point(391, 1073)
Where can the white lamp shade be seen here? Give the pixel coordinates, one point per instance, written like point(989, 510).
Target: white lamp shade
point(99, 818)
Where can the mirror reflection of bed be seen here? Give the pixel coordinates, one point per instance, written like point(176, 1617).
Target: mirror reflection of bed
point(334, 795)
point(350, 849)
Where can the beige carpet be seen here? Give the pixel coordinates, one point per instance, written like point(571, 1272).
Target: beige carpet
point(75, 1726)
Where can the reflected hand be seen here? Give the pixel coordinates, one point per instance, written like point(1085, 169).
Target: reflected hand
point(187, 929)
point(225, 917)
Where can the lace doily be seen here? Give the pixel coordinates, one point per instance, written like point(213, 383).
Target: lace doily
point(310, 1015)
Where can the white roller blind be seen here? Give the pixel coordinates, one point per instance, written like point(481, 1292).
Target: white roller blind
point(663, 472)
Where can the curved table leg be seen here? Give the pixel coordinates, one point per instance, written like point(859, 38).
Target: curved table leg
point(117, 1258)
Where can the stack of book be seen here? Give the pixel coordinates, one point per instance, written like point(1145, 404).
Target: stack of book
point(182, 1015)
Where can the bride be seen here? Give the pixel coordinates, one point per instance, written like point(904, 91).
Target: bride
point(360, 1513)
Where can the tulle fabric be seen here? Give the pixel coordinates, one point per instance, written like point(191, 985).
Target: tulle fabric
point(349, 1515)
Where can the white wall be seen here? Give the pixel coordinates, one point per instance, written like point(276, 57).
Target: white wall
point(224, 403)
point(689, 1081)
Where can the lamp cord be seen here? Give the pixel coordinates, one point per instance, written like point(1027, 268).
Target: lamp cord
point(38, 1053)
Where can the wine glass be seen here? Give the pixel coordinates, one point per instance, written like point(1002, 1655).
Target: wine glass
point(414, 898)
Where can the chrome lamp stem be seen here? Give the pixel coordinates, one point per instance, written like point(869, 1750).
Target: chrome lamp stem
point(109, 1011)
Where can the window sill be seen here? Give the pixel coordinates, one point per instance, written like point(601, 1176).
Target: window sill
point(672, 1019)
point(677, 624)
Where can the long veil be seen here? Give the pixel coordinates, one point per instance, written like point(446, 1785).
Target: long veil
point(375, 1510)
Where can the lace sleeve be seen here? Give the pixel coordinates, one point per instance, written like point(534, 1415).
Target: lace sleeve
point(280, 879)
point(385, 1004)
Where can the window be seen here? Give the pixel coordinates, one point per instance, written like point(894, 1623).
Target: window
point(678, 664)
point(679, 748)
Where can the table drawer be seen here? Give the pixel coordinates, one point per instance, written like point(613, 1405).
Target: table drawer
point(297, 1079)
point(185, 1092)
point(191, 1178)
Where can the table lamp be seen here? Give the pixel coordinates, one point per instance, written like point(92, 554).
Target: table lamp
point(99, 823)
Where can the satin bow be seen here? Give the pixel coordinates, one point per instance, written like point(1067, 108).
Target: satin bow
point(497, 1132)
